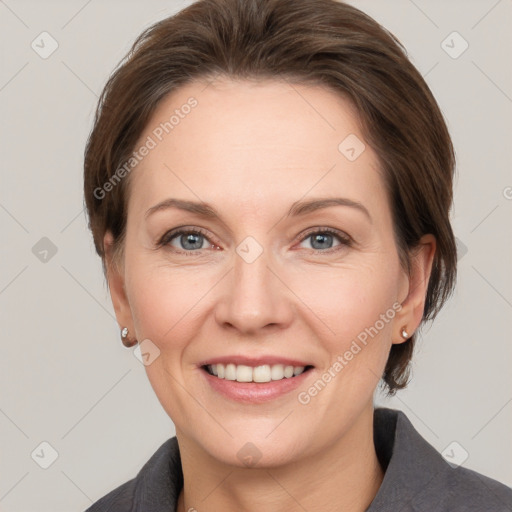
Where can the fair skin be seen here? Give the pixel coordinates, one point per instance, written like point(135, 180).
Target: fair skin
point(251, 150)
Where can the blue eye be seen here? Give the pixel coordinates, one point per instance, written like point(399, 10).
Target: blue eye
point(193, 240)
point(189, 240)
point(322, 240)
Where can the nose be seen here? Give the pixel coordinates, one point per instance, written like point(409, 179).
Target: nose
point(255, 298)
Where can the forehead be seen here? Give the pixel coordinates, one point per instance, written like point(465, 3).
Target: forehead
point(253, 141)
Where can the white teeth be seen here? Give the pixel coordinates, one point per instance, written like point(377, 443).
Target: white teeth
point(230, 373)
point(243, 373)
point(277, 372)
point(288, 371)
point(263, 373)
point(297, 370)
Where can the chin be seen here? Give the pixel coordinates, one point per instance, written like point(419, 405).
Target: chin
point(257, 450)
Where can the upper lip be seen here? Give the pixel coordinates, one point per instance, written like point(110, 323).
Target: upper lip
point(254, 361)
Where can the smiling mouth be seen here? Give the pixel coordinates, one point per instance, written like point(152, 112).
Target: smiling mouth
point(257, 374)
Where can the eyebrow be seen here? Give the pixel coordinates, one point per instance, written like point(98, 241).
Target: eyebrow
point(297, 209)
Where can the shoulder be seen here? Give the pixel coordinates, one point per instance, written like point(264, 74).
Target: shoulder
point(418, 478)
point(118, 500)
point(155, 487)
point(466, 488)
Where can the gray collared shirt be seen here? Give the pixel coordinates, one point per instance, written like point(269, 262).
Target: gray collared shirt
point(417, 478)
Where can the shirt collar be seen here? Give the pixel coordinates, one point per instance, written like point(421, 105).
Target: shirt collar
point(414, 470)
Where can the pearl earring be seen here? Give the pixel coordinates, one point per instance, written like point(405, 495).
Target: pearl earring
point(404, 333)
point(124, 338)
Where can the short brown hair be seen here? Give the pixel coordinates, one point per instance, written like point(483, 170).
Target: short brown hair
point(306, 41)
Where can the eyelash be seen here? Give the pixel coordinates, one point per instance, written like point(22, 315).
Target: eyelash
point(346, 241)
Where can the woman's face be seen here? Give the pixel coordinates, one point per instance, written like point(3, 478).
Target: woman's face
point(267, 280)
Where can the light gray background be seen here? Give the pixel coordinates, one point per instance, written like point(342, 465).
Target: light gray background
point(65, 377)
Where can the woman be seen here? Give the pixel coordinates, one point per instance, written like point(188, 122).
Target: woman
point(268, 184)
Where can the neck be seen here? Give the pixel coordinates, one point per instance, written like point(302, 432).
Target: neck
point(346, 475)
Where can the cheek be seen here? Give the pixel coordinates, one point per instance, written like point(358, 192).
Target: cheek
point(164, 304)
point(163, 301)
point(353, 303)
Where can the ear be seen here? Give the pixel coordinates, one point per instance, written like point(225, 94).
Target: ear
point(411, 314)
point(116, 284)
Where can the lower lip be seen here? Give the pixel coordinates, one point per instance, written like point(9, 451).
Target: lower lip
point(255, 392)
